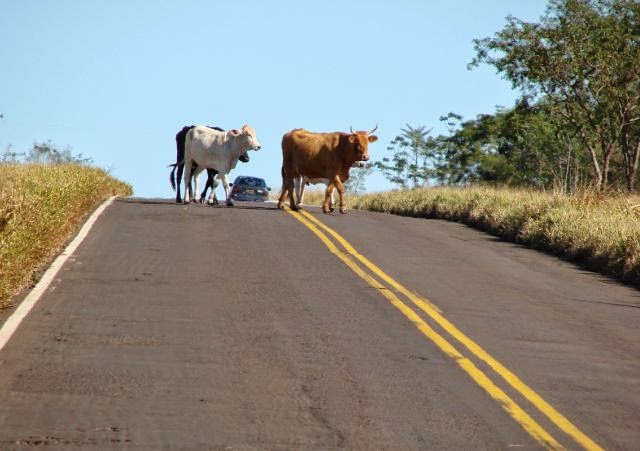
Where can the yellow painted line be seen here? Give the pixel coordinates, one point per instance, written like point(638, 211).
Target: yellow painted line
point(418, 300)
point(430, 309)
point(515, 411)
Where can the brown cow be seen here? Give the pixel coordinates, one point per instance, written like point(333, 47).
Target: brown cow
point(321, 155)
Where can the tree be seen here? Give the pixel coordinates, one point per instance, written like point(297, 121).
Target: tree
point(409, 163)
point(583, 60)
point(523, 145)
point(10, 156)
point(355, 184)
point(44, 153)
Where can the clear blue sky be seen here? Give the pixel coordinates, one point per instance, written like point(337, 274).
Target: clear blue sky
point(116, 80)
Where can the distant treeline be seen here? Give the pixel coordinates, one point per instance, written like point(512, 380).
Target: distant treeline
point(44, 153)
point(576, 124)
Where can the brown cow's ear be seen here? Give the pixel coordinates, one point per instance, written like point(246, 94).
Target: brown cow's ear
point(373, 138)
point(352, 139)
point(235, 132)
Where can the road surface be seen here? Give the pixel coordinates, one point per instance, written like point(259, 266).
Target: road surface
point(190, 327)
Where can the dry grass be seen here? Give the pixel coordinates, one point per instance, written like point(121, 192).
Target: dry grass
point(41, 206)
point(600, 233)
point(313, 195)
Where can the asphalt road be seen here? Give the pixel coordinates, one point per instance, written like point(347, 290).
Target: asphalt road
point(176, 327)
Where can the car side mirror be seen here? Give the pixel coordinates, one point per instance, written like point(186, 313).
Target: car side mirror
point(268, 188)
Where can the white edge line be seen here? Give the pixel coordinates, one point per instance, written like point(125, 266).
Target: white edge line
point(12, 323)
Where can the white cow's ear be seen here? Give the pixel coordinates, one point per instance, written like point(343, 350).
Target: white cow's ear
point(234, 132)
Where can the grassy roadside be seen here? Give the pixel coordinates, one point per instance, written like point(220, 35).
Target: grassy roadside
point(600, 233)
point(41, 207)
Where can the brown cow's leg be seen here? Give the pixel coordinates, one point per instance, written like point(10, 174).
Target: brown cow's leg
point(340, 187)
point(283, 192)
point(290, 189)
point(283, 196)
point(326, 205)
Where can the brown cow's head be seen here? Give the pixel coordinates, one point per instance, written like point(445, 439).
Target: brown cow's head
point(360, 141)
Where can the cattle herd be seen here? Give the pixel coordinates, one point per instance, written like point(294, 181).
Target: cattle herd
point(307, 157)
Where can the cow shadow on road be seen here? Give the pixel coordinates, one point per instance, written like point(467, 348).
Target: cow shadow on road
point(172, 203)
point(253, 207)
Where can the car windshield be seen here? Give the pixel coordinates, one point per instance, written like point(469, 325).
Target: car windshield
point(252, 181)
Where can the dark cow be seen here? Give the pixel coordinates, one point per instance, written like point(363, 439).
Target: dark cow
point(321, 156)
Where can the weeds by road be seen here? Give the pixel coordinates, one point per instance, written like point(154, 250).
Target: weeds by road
point(41, 206)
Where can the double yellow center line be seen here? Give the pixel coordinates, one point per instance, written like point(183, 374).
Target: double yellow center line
point(382, 282)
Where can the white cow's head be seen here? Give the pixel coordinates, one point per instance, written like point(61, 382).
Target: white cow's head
point(248, 137)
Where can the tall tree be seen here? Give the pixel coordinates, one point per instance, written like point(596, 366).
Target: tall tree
point(355, 184)
point(458, 153)
point(583, 59)
point(408, 165)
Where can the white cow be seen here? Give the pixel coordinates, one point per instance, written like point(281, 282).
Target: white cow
point(300, 182)
point(218, 150)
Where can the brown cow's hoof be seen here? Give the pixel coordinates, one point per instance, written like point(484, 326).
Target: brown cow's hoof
point(281, 205)
point(294, 207)
point(331, 209)
point(343, 210)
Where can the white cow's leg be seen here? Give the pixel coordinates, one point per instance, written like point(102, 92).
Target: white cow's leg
point(298, 187)
point(196, 174)
point(332, 201)
point(213, 200)
point(187, 180)
point(225, 185)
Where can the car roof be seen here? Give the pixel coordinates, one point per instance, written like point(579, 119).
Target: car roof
point(249, 179)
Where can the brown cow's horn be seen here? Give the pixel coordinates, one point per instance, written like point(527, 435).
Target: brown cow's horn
point(351, 130)
point(374, 129)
